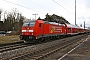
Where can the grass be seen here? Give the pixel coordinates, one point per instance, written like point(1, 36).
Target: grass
point(9, 39)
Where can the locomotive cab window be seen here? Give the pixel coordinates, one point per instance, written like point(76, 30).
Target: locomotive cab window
point(29, 24)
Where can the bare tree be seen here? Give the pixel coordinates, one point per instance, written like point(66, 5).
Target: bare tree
point(0, 13)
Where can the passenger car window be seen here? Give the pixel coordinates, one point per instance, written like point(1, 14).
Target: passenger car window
point(69, 28)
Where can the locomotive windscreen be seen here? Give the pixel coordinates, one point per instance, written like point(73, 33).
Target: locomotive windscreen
point(31, 24)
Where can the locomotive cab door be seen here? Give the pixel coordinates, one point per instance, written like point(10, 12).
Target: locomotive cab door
point(41, 28)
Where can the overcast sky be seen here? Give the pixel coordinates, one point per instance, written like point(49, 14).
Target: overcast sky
point(65, 8)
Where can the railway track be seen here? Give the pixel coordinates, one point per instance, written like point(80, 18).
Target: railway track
point(12, 46)
point(43, 51)
point(64, 55)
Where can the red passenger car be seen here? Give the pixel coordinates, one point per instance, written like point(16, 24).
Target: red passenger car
point(73, 29)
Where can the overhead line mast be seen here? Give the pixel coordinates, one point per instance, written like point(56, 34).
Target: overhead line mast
point(75, 12)
point(35, 15)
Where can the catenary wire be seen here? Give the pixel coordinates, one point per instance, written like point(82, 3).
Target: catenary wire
point(67, 4)
point(22, 6)
point(62, 7)
point(39, 5)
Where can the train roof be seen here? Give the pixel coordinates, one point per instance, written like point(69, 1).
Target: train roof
point(55, 23)
point(72, 26)
point(87, 28)
point(28, 20)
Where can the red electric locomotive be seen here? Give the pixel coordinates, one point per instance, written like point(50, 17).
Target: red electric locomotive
point(39, 29)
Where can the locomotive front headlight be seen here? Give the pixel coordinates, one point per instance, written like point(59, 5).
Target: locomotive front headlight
point(23, 30)
point(30, 30)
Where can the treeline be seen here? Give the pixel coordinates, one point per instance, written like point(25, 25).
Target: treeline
point(13, 20)
point(56, 18)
